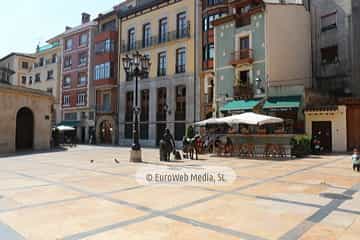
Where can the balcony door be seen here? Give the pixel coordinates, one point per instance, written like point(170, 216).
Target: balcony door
point(163, 30)
point(244, 47)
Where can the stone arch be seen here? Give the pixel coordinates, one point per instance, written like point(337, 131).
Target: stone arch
point(25, 124)
point(109, 121)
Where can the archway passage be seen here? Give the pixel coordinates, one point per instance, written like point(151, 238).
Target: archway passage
point(24, 129)
point(106, 132)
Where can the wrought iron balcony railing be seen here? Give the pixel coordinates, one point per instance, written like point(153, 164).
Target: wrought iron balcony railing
point(243, 91)
point(180, 68)
point(157, 40)
point(242, 56)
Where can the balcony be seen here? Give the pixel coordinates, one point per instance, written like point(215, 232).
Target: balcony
point(180, 116)
point(157, 40)
point(243, 56)
point(180, 68)
point(243, 91)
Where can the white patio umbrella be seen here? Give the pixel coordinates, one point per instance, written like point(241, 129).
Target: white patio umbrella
point(63, 128)
point(251, 118)
point(208, 122)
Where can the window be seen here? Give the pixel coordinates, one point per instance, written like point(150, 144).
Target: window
point(163, 30)
point(144, 96)
point(50, 75)
point(67, 81)
point(82, 79)
point(180, 60)
point(109, 26)
point(37, 77)
point(23, 79)
point(49, 90)
point(53, 58)
point(30, 80)
point(244, 42)
point(80, 100)
point(146, 75)
point(105, 46)
point(244, 78)
point(129, 106)
point(91, 115)
point(207, 20)
point(181, 25)
point(180, 100)
point(25, 65)
point(83, 41)
point(328, 22)
point(214, 2)
point(41, 62)
point(108, 45)
point(329, 55)
point(162, 64)
point(83, 58)
point(68, 44)
point(131, 38)
point(67, 61)
point(208, 52)
point(70, 116)
point(161, 103)
point(146, 35)
point(211, 51)
point(103, 71)
point(66, 101)
point(144, 115)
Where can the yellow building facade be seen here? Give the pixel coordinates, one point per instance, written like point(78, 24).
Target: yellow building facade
point(166, 33)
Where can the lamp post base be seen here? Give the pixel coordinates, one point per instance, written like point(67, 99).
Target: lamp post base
point(135, 155)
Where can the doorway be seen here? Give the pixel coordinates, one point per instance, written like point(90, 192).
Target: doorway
point(322, 130)
point(106, 132)
point(24, 129)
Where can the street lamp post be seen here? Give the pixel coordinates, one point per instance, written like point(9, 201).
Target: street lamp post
point(136, 66)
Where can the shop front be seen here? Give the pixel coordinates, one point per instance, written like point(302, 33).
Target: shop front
point(328, 124)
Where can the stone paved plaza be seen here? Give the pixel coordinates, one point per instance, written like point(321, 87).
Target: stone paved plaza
point(61, 195)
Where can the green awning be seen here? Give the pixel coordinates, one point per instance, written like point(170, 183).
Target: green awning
point(240, 105)
point(69, 123)
point(282, 102)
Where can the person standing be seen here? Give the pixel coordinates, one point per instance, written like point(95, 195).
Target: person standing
point(356, 160)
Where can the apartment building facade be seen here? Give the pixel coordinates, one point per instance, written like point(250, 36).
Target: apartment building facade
point(335, 37)
point(20, 64)
point(105, 77)
point(44, 74)
point(165, 31)
point(211, 10)
point(258, 67)
point(77, 95)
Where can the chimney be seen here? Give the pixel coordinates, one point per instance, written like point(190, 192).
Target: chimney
point(67, 28)
point(85, 18)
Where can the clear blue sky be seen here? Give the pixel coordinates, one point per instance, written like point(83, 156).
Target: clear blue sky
point(25, 23)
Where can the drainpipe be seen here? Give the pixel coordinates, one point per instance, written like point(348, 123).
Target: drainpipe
point(195, 55)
